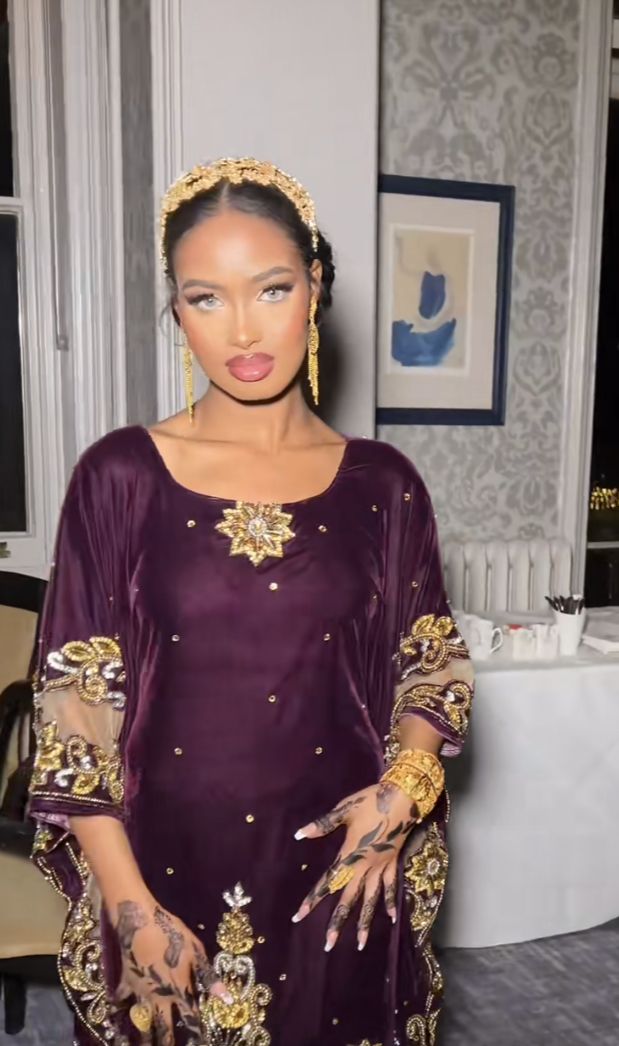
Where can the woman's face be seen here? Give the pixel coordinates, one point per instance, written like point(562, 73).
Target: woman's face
point(243, 301)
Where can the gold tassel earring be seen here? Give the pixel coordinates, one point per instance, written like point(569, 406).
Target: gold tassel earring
point(188, 368)
point(313, 341)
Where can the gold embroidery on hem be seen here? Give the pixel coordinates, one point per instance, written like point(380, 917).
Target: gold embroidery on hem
point(76, 766)
point(422, 1030)
point(240, 1023)
point(432, 642)
point(96, 668)
point(256, 531)
point(79, 961)
point(425, 876)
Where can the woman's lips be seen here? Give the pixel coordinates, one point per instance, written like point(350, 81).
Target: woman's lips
point(254, 367)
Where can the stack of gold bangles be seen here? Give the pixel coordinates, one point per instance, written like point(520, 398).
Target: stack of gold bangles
point(420, 776)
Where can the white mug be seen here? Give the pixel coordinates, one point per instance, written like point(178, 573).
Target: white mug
point(482, 637)
point(546, 640)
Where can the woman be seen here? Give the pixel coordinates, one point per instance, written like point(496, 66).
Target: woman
point(248, 670)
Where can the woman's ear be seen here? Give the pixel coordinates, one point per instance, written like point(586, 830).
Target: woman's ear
point(316, 277)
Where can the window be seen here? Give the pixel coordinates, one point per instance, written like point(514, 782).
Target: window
point(13, 514)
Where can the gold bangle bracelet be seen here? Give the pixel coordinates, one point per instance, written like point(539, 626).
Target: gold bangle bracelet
point(420, 776)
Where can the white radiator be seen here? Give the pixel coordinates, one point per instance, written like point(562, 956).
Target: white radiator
point(506, 575)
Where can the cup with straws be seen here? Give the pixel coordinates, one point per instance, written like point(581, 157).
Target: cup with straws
point(569, 615)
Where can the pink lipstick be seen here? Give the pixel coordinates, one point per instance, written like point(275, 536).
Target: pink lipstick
point(255, 366)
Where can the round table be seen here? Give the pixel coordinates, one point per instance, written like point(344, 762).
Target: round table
point(534, 836)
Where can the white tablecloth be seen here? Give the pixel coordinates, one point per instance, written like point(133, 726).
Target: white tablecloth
point(534, 833)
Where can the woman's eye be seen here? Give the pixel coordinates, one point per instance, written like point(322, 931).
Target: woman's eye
point(277, 292)
point(206, 302)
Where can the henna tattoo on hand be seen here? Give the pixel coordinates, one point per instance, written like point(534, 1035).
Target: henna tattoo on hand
point(367, 912)
point(176, 939)
point(131, 918)
point(336, 817)
point(205, 972)
point(390, 894)
point(384, 796)
point(339, 917)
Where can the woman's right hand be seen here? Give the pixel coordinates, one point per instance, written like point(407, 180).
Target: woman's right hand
point(163, 967)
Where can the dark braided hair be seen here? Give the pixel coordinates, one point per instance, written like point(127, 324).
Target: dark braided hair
point(263, 201)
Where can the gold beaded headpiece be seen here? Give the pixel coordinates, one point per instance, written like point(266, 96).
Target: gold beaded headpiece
point(201, 178)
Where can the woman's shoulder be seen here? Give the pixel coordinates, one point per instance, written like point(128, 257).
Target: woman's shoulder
point(387, 463)
point(119, 455)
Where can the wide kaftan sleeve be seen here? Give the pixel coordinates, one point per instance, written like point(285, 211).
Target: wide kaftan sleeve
point(79, 700)
point(433, 675)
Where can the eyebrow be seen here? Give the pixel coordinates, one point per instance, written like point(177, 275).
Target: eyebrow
point(277, 270)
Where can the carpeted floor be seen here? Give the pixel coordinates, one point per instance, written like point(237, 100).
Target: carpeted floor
point(562, 991)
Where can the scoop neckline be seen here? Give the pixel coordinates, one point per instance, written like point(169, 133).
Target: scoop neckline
point(348, 440)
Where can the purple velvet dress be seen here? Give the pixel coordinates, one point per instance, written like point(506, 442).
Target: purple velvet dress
point(218, 674)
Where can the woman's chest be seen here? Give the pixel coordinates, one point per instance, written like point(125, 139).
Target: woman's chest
point(240, 565)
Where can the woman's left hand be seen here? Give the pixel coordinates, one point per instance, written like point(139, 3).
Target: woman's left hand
point(378, 821)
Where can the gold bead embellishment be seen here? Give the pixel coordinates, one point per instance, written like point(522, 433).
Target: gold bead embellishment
point(261, 940)
point(272, 698)
point(175, 638)
point(322, 528)
point(374, 508)
point(407, 496)
point(327, 637)
point(414, 584)
point(335, 1020)
point(303, 867)
point(319, 750)
point(282, 976)
point(256, 531)
point(169, 871)
point(203, 177)
point(273, 586)
point(201, 926)
point(250, 818)
point(178, 751)
point(191, 522)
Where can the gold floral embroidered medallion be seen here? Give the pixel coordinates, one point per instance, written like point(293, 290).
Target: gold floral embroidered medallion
point(256, 531)
point(240, 1023)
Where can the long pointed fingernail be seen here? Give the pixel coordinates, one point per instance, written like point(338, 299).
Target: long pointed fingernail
point(394, 917)
point(300, 834)
point(302, 912)
point(331, 939)
point(362, 941)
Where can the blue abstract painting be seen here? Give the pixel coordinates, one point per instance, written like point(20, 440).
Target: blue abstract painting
point(429, 347)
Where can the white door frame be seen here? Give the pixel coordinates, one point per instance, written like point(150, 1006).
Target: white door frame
point(579, 388)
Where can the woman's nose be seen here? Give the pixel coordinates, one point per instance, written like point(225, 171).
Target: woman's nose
point(245, 332)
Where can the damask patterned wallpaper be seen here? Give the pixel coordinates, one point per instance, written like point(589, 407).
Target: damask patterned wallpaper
point(485, 90)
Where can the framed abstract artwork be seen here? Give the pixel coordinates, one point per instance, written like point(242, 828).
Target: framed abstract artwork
point(443, 301)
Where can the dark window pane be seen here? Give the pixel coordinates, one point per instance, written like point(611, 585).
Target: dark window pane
point(12, 461)
point(6, 145)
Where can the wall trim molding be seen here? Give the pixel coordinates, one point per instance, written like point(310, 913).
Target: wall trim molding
point(579, 387)
point(116, 217)
point(167, 164)
point(94, 315)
